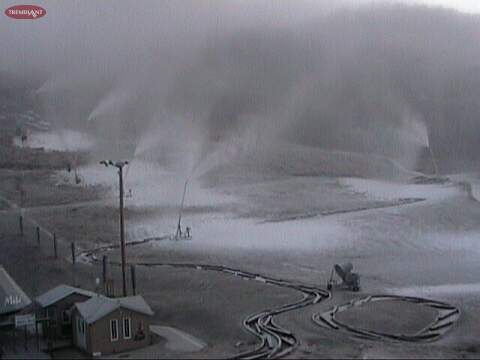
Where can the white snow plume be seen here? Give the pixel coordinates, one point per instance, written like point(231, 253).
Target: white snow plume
point(332, 80)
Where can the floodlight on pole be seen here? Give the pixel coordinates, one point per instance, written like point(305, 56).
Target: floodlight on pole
point(119, 165)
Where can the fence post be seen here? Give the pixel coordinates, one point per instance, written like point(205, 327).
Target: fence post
point(25, 333)
point(74, 268)
point(21, 225)
point(110, 288)
point(38, 235)
point(73, 253)
point(55, 245)
point(104, 272)
point(37, 337)
point(134, 282)
point(14, 338)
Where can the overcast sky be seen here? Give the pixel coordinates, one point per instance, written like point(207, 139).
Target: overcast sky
point(330, 81)
point(462, 5)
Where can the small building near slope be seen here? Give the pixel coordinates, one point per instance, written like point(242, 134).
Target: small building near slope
point(57, 304)
point(104, 325)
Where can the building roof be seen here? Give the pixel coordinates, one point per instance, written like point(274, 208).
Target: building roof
point(61, 292)
point(98, 307)
point(12, 297)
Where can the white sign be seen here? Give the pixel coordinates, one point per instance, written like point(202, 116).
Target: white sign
point(12, 300)
point(24, 320)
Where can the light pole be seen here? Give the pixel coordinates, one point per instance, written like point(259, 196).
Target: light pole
point(119, 165)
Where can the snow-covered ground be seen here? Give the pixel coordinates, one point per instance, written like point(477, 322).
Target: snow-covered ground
point(438, 290)
point(471, 178)
point(220, 232)
point(428, 244)
point(465, 241)
point(213, 213)
point(319, 233)
point(62, 140)
point(424, 248)
point(394, 190)
point(149, 185)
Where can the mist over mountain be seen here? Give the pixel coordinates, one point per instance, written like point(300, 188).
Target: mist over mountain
point(387, 80)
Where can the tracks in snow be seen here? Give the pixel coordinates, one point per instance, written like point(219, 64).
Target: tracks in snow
point(275, 341)
point(447, 315)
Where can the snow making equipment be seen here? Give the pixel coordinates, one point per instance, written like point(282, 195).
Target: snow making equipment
point(179, 234)
point(349, 279)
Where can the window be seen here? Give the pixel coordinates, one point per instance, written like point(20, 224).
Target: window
point(126, 328)
point(114, 330)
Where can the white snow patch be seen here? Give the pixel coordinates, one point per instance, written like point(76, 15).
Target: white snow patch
point(471, 178)
point(178, 340)
point(222, 232)
point(444, 289)
point(151, 186)
point(383, 190)
point(65, 140)
point(476, 189)
point(454, 241)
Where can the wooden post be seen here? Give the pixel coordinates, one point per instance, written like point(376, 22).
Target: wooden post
point(104, 272)
point(73, 253)
point(14, 339)
point(38, 235)
point(74, 268)
point(55, 252)
point(37, 335)
point(55, 324)
point(110, 288)
point(134, 283)
point(49, 346)
point(21, 225)
point(26, 337)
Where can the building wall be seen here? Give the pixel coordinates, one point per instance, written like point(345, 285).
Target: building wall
point(81, 341)
point(75, 316)
point(62, 329)
point(98, 339)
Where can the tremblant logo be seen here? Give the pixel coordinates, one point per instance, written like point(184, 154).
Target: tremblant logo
point(25, 12)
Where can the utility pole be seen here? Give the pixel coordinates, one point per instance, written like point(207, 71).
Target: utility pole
point(119, 165)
